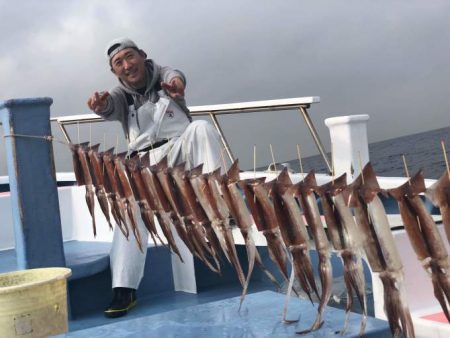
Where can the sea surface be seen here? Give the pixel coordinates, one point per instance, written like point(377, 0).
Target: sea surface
point(421, 151)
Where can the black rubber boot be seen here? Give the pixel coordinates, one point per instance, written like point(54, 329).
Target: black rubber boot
point(123, 300)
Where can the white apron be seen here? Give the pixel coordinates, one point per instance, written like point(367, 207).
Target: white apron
point(199, 143)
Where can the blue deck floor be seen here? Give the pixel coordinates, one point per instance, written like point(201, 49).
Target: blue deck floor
point(90, 290)
point(164, 302)
point(260, 316)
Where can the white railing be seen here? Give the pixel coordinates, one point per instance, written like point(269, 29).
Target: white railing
point(300, 103)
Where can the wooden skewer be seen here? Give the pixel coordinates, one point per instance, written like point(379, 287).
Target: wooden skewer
point(300, 161)
point(254, 160)
point(104, 149)
point(273, 160)
point(333, 172)
point(360, 167)
point(254, 168)
point(332, 164)
point(409, 181)
point(205, 165)
point(154, 155)
point(117, 151)
point(405, 166)
point(206, 157)
point(223, 160)
point(125, 143)
point(445, 157)
point(362, 178)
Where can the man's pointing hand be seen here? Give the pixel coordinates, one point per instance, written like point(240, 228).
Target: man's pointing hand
point(98, 102)
point(175, 88)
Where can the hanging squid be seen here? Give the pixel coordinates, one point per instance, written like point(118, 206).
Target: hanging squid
point(424, 236)
point(389, 265)
point(304, 191)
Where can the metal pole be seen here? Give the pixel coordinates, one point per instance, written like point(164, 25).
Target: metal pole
point(222, 137)
point(64, 131)
point(315, 136)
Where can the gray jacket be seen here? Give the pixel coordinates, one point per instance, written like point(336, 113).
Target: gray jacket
point(132, 109)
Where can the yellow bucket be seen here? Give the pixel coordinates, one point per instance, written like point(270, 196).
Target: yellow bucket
point(33, 303)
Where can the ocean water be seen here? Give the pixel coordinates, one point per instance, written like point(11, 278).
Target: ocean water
point(421, 151)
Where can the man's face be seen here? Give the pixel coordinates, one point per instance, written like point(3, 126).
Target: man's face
point(129, 66)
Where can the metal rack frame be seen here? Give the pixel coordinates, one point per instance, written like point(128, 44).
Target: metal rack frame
point(300, 103)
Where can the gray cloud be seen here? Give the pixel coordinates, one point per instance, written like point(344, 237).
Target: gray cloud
point(386, 58)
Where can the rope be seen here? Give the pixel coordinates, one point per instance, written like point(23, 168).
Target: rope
point(48, 138)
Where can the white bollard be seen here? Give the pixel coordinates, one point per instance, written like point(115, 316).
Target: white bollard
point(349, 145)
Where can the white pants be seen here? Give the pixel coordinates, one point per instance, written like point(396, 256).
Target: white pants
point(200, 143)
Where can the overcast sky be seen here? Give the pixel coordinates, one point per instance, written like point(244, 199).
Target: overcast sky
point(385, 58)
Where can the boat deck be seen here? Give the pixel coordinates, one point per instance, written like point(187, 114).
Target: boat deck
point(260, 316)
point(89, 287)
point(149, 305)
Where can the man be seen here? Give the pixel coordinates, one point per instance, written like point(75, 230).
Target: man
point(149, 103)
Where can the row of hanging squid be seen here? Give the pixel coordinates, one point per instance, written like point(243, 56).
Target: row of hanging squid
point(200, 207)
